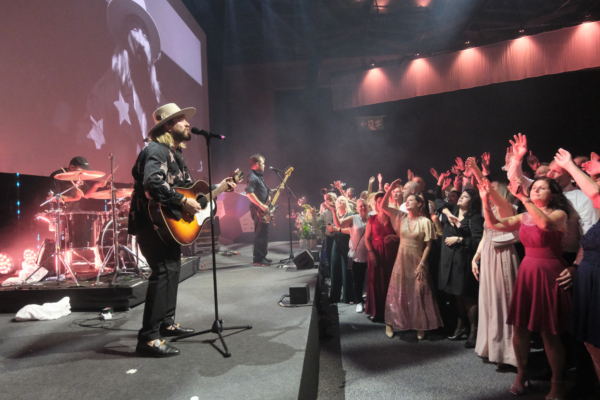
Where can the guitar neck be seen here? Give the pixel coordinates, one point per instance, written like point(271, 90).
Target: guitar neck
point(279, 190)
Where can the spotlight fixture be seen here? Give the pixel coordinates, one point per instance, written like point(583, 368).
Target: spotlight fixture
point(372, 64)
point(29, 256)
point(6, 264)
point(417, 54)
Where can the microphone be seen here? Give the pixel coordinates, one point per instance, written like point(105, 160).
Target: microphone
point(206, 134)
point(275, 169)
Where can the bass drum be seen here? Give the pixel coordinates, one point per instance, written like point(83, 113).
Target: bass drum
point(105, 242)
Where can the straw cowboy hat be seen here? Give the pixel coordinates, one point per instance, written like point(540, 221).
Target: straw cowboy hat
point(168, 112)
point(116, 16)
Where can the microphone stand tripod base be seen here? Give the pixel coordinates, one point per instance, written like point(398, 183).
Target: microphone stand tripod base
point(217, 328)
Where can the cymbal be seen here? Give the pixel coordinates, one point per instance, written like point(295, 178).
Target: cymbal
point(76, 175)
point(105, 194)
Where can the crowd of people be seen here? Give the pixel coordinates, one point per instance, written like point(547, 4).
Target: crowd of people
point(517, 256)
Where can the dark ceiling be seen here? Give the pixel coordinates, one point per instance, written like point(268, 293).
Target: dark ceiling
point(260, 31)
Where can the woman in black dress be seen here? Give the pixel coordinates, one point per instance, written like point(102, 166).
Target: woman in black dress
point(463, 229)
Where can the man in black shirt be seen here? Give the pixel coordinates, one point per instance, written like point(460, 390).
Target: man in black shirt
point(258, 193)
point(160, 168)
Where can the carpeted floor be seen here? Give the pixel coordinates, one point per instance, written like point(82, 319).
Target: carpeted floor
point(358, 361)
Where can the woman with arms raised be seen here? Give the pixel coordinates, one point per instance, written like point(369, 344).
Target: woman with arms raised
point(410, 302)
point(496, 274)
point(540, 302)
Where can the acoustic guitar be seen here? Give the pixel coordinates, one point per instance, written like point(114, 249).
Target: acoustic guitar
point(267, 216)
point(186, 230)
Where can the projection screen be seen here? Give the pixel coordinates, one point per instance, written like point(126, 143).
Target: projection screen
point(82, 78)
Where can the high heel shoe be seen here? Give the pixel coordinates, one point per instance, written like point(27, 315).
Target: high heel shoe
point(389, 331)
point(560, 386)
point(458, 335)
point(420, 335)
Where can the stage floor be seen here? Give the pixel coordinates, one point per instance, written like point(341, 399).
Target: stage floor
point(78, 357)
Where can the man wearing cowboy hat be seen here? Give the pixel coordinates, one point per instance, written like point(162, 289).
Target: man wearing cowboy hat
point(159, 168)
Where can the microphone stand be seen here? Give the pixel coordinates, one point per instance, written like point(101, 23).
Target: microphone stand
point(217, 326)
point(289, 192)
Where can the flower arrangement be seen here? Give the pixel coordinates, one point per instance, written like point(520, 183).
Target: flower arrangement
point(305, 225)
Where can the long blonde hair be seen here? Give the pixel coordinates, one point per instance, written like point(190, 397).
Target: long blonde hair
point(342, 199)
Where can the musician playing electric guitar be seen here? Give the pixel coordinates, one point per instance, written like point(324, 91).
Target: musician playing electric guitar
point(258, 193)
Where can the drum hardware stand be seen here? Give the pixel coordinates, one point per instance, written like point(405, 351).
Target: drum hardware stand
point(58, 255)
point(217, 326)
point(289, 192)
point(114, 248)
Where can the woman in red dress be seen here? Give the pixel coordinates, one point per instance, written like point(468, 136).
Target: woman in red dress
point(382, 245)
point(540, 302)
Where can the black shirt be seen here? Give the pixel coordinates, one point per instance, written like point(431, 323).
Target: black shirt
point(157, 170)
point(256, 185)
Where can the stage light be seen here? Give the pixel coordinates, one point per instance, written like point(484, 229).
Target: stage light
point(6, 264)
point(29, 256)
point(372, 65)
point(521, 30)
point(468, 42)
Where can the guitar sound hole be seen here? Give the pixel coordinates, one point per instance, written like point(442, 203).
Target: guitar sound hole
point(203, 201)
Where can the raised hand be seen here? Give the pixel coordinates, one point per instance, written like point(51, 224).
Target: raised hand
point(459, 164)
point(484, 189)
point(591, 167)
point(594, 157)
point(485, 161)
point(371, 179)
point(563, 158)
point(380, 178)
point(533, 162)
point(455, 170)
point(411, 175)
point(447, 184)
point(443, 177)
point(519, 146)
point(434, 173)
point(395, 184)
point(471, 161)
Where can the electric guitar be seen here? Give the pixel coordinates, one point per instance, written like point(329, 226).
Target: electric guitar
point(186, 230)
point(267, 216)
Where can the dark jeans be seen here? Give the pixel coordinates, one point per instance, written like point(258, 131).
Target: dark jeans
point(359, 271)
point(261, 238)
point(161, 297)
point(326, 256)
point(341, 276)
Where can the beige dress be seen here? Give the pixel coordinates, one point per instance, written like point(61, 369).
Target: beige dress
point(497, 274)
point(410, 302)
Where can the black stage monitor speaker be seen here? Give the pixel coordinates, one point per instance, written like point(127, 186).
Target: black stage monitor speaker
point(299, 294)
point(304, 260)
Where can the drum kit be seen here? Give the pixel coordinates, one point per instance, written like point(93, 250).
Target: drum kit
point(91, 241)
